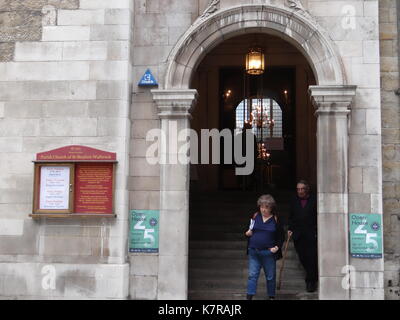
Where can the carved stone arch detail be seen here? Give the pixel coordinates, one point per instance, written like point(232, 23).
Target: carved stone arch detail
point(302, 32)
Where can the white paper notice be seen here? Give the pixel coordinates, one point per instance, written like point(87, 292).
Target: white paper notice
point(54, 188)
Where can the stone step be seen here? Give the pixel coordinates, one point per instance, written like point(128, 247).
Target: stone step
point(196, 235)
point(196, 272)
point(241, 284)
point(218, 225)
point(210, 220)
point(225, 218)
point(240, 229)
point(220, 213)
point(237, 225)
point(202, 273)
point(229, 254)
point(230, 212)
point(232, 209)
point(240, 295)
point(222, 245)
point(236, 264)
point(231, 202)
point(217, 233)
point(241, 194)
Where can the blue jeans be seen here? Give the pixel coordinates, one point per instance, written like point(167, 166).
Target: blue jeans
point(266, 260)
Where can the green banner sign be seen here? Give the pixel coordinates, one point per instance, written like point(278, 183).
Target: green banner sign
point(144, 227)
point(366, 236)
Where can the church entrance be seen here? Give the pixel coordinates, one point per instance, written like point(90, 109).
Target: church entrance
point(221, 201)
point(191, 65)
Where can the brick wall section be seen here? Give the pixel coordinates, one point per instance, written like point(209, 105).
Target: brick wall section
point(21, 20)
point(391, 142)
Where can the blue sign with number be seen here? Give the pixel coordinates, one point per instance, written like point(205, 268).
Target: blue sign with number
point(148, 79)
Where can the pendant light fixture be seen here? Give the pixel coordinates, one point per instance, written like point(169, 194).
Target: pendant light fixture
point(255, 61)
point(255, 114)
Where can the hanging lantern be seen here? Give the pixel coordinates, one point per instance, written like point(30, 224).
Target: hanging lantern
point(255, 64)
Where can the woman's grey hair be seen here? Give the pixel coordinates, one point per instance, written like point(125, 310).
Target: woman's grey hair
point(268, 201)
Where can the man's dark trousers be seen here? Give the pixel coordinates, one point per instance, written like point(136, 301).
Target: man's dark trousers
point(307, 252)
point(303, 224)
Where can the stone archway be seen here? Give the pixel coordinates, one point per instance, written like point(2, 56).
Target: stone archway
point(332, 98)
point(298, 29)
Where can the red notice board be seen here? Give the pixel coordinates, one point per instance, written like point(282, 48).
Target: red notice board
point(94, 188)
point(88, 190)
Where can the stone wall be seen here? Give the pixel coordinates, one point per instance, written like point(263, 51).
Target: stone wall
point(388, 14)
point(65, 78)
point(157, 27)
point(66, 72)
point(22, 21)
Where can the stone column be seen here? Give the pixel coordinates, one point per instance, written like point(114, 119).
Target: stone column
point(174, 108)
point(332, 105)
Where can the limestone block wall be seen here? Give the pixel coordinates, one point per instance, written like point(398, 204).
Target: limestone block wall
point(157, 27)
point(65, 78)
point(66, 72)
point(22, 21)
point(389, 35)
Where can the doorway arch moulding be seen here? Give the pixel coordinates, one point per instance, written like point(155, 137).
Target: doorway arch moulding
point(287, 23)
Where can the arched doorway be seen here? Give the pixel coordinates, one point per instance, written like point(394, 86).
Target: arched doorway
point(221, 201)
point(332, 98)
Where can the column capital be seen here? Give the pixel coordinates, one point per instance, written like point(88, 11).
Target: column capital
point(175, 103)
point(332, 99)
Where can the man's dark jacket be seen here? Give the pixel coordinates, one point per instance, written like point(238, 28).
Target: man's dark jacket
point(303, 221)
point(279, 237)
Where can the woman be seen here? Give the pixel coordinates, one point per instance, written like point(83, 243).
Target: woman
point(266, 237)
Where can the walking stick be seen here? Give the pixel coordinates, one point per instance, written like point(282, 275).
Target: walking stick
point(283, 263)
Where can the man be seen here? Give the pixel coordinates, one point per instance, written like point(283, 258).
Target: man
point(303, 228)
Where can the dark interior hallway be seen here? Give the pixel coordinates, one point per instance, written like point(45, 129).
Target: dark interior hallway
point(217, 248)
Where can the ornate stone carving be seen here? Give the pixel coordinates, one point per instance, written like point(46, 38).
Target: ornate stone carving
point(295, 4)
point(212, 7)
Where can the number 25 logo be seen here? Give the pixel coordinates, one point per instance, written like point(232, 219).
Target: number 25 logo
point(147, 235)
point(369, 240)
